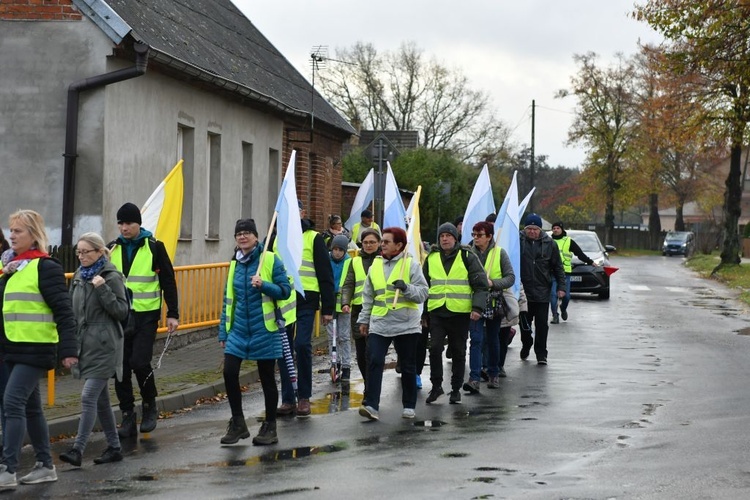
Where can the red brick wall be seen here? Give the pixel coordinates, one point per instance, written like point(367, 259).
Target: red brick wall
point(38, 10)
point(318, 175)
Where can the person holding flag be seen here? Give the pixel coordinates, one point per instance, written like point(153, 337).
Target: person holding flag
point(149, 275)
point(249, 330)
point(500, 276)
point(393, 290)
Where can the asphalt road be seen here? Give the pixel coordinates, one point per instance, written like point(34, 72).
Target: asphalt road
point(645, 396)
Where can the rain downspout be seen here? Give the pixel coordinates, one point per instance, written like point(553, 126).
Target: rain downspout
point(71, 129)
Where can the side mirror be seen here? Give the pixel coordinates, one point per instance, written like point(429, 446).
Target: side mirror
point(610, 248)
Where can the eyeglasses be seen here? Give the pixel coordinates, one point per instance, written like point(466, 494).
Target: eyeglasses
point(386, 242)
point(84, 252)
point(478, 235)
point(242, 234)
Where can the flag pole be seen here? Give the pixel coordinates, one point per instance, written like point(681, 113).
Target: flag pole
point(403, 269)
point(268, 238)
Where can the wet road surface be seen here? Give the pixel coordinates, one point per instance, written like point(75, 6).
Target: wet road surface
point(645, 396)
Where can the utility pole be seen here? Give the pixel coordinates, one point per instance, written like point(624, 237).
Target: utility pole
point(531, 166)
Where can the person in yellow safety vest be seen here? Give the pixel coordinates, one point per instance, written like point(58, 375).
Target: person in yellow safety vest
point(568, 247)
point(37, 330)
point(317, 282)
point(393, 290)
point(366, 222)
point(500, 276)
point(351, 294)
point(148, 274)
point(340, 327)
point(249, 328)
point(458, 294)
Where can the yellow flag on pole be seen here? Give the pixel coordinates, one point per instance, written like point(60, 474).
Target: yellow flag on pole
point(162, 212)
point(413, 232)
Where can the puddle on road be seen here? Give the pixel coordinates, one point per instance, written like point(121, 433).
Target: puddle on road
point(434, 424)
point(283, 455)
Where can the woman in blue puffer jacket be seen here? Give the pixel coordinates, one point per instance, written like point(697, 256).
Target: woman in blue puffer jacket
point(249, 330)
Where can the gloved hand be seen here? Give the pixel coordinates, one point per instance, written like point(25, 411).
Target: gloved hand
point(400, 285)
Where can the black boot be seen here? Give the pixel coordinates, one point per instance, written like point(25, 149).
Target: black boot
point(345, 374)
point(236, 430)
point(110, 455)
point(128, 428)
point(72, 456)
point(150, 416)
point(267, 434)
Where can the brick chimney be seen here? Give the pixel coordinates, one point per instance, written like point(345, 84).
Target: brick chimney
point(38, 10)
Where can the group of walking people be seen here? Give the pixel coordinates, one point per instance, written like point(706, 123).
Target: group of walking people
point(101, 326)
point(104, 324)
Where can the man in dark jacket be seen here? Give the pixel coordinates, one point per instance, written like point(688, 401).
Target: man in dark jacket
point(458, 294)
point(568, 248)
point(148, 274)
point(540, 266)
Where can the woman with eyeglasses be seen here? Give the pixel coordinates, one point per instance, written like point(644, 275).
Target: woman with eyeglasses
point(249, 329)
point(38, 328)
point(100, 305)
point(394, 289)
point(351, 293)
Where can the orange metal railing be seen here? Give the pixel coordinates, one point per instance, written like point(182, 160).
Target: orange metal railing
point(200, 289)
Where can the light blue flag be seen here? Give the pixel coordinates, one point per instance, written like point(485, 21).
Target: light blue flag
point(525, 202)
point(481, 204)
point(509, 238)
point(365, 195)
point(394, 214)
point(288, 227)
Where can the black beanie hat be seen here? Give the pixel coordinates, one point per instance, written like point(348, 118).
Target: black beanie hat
point(129, 213)
point(245, 225)
point(558, 224)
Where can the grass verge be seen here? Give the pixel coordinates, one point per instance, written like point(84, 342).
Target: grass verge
point(737, 277)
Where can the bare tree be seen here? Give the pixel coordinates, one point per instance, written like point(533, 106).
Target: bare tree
point(604, 123)
point(403, 90)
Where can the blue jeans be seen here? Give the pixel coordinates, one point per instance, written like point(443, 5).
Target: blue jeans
point(497, 347)
point(476, 341)
point(95, 402)
point(23, 413)
point(406, 349)
point(553, 295)
point(3, 382)
point(303, 350)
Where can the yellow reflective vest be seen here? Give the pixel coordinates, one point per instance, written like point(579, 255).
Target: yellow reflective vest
point(344, 271)
point(563, 244)
point(452, 290)
point(288, 307)
point(493, 265)
point(358, 227)
point(27, 316)
point(383, 289)
point(141, 280)
point(307, 269)
point(269, 315)
point(359, 280)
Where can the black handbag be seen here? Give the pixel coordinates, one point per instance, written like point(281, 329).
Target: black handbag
point(496, 307)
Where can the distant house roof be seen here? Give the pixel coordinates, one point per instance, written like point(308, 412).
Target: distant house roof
point(215, 44)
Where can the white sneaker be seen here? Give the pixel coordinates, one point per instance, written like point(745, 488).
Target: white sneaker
point(7, 479)
point(408, 413)
point(40, 474)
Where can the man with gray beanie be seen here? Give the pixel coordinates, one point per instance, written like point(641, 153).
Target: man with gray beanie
point(148, 275)
point(540, 265)
point(458, 294)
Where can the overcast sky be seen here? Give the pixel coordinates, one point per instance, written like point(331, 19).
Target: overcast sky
point(517, 51)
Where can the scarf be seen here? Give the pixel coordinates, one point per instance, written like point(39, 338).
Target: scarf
point(88, 273)
point(11, 261)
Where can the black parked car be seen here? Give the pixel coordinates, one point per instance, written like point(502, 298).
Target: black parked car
point(679, 243)
point(585, 278)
